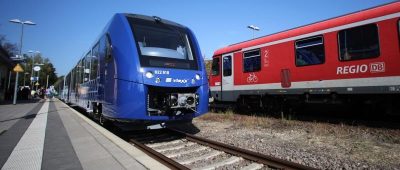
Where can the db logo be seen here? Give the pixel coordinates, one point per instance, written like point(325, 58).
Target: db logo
point(377, 67)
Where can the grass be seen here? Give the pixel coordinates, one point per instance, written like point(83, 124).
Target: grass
point(251, 121)
point(286, 123)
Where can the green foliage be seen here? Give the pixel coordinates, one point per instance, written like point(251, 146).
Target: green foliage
point(46, 66)
point(11, 49)
point(208, 66)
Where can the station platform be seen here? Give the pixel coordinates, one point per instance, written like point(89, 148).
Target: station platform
point(48, 134)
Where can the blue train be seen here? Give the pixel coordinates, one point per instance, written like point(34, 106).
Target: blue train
point(142, 70)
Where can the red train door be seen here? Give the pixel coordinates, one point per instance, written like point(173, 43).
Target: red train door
point(227, 78)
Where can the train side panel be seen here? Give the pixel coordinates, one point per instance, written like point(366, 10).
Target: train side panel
point(281, 74)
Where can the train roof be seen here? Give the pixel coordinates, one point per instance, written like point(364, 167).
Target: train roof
point(153, 18)
point(320, 25)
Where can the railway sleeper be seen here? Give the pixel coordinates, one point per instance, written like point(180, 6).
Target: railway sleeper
point(176, 154)
point(155, 145)
point(209, 155)
point(224, 162)
point(253, 166)
point(165, 149)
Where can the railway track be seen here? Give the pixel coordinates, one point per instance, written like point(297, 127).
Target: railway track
point(179, 150)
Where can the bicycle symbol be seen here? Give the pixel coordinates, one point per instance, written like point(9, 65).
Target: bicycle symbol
point(252, 78)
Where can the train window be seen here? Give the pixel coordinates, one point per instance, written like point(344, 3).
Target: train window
point(87, 67)
point(310, 51)
point(77, 75)
point(106, 48)
point(227, 66)
point(95, 61)
point(359, 43)
point(251, 61)
point(72, 84)
point(81, 71)
point(215, 67)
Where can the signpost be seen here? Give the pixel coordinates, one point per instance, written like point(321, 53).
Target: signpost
point(34, 79)
point(36, 68)
point(16, 69)
point(37, 85)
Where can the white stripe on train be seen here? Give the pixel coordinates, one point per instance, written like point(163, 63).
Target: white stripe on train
point(356, 82)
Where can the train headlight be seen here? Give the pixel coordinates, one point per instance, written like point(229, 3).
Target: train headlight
point(174, 100)
point(190, 100)
point(149, 74)
point(197, 97)
point(197, 77)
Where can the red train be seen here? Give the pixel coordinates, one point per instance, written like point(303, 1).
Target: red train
point(351, 58)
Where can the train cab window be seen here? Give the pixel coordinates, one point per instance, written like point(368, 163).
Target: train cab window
point(310, 51)
point(163, 44)
point(251, 61)
point(227, 66)
point(359, 43)
point(215, 67)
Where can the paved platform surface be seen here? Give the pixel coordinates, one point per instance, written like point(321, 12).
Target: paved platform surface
point(48, 134)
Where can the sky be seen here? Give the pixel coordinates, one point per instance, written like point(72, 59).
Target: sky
point(66, 29)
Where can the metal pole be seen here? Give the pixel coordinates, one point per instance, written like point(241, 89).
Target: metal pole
point(15, 89)
point(22, 35)
point(32, 72)
point(47, 82)
point(9, 80)
point(38, 75)
point(61, 92)
point(24, 76)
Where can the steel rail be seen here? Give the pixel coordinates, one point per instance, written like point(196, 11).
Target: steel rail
point(170, 163)
point(247, 154)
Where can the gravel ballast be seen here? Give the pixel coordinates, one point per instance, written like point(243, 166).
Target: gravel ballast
point(319, 145)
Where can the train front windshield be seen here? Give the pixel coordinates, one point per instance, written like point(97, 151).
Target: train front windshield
point(163, 45)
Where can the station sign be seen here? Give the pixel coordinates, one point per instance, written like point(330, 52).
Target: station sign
point(36, 68)
point(34, 78)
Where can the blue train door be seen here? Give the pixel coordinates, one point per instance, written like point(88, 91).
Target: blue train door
point(101, 69)
point(109, 74)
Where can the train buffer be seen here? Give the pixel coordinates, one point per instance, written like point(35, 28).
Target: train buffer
point(48, 134)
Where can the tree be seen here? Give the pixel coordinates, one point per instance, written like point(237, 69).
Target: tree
point(208, 64)
point(11, 49)
point(2, 39)
point(46, 69)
